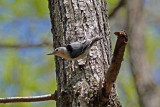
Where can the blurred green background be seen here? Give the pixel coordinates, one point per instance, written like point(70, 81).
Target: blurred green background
point(26, 71)
point(29, 71)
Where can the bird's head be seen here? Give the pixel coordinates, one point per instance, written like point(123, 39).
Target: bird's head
point(58, 51)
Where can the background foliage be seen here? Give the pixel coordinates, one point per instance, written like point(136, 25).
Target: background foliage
point(28, 71)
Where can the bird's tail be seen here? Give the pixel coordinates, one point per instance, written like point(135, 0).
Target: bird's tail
point(94, 40)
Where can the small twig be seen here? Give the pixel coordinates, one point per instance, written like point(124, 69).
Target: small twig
point(121, 3)
point(24, 45)
point(29, 99)
point(112, 73)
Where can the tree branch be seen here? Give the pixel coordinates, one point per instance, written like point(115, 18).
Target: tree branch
point(111, 75)
point(121, 3)
point(29, 99)
point(25, 45)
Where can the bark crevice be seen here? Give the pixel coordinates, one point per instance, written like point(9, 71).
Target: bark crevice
point(84, 19)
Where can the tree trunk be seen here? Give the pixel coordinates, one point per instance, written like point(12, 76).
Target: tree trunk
point(74, 20)
point(146, 89)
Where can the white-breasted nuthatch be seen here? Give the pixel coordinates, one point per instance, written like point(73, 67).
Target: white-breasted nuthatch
point(76, 50)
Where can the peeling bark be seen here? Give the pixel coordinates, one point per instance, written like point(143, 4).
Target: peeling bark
point(74, 20)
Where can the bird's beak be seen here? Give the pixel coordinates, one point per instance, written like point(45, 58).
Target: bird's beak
point(51, 53)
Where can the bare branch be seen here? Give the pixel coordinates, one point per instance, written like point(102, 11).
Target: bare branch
point(112, 73)
point(29, 99)
point(25, 45)
point(121, 3)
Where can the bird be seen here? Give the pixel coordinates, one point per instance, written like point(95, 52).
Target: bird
point(76, 50)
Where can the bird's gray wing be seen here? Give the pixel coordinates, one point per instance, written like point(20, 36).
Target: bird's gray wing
point(77, 48)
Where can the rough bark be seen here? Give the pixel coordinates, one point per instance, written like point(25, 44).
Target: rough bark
point(74, 20)
point(146, 89)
